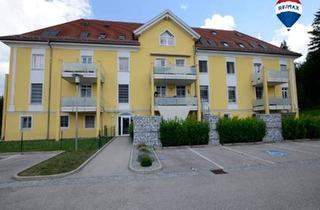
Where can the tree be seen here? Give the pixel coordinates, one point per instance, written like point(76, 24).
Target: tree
point(308, 73)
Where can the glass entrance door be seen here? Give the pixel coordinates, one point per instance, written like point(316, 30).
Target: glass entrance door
point(124, 122)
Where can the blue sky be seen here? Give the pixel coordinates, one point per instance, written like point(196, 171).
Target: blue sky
point(252, 17)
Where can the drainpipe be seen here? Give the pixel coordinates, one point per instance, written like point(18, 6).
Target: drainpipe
point(49, 91)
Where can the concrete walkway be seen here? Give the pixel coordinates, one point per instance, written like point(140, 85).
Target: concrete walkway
point(113, 160)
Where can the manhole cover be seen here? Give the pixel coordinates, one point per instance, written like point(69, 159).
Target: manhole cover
point(277, 153)
point(218, 171)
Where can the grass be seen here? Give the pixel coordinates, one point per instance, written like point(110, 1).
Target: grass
point(314, 112)
point(62, 163)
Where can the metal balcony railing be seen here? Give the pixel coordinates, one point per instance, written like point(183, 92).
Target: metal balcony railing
point(175, 70)
point(274, 77)
point(79, 68)
point(83, 103)
point(277, 102)
point(176, 101)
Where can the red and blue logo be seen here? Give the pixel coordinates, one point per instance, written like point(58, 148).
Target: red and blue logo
point(288, 11)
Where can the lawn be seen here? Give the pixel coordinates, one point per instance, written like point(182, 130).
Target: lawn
point(62, 163)
point(314, 112)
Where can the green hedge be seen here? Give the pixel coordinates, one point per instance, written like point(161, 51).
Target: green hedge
point(304, 127)
point(183, 132)
point(131, 130)
point(234, 130)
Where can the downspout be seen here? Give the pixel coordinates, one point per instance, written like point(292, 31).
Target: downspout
point(49, 91)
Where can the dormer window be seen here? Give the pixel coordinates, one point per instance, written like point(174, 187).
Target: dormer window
point(167, 39)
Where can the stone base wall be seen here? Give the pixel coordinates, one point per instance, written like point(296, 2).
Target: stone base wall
point(273, 126)
point(213, 133)
point(146, 130)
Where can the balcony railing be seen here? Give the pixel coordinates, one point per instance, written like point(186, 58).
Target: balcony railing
point(274, 77)
point(176, 101)
point(274, 103)
point(175, 70)
point(83, 104)
point(87, 71)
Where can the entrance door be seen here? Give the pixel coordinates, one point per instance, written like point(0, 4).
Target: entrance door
point(124, 122)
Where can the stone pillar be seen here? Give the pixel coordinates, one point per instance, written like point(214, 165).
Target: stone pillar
point(146, 130)
point(273, 127)
point(213, 133)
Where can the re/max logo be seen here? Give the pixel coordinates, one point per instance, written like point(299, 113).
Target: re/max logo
point(289, 6)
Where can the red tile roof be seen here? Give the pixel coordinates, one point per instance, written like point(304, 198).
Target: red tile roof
point(121, 33)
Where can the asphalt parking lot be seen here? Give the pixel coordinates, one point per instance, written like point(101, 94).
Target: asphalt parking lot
point(238, 157)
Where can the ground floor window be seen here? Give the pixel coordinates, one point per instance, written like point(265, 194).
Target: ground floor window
point(64, 121)
point(26, 122)
point(89, 121)
point(259, 92)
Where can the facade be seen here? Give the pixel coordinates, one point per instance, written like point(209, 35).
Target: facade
point(105, 72)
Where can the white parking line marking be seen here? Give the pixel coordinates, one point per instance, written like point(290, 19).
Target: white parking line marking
point(311, 145)
point(297, 150)
point(207, 159)
point(248, 155)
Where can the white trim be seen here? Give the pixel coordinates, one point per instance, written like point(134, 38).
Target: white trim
point(13, 80)
point(232, 81)
point(163, 15)
point(283, 61)
point(238, 54)
point(84, 121)
point(25, 129)
point(180, 58)
point(174, 38)
point(257, 60)
point(121, 122)
point(63, 115)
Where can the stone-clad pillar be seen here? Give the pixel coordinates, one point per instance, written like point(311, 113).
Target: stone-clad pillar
point(146, 130)
point(273, 127)
point(213, 133)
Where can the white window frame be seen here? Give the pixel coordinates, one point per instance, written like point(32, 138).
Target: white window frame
point(207, 86)
point(285, 92)
point(204, 72)
point(261, 92)
point(167, 42)
point(128, 65)
point(185, 91)
point(160, 94)
point(34, 63)
point(68, 121)
point(255, 64)
point(86, 86)
point(282, 65)
point(86, 58)
point(235, 94)
point(84, 122)
point(20, 122)
point(30, 94)
point(180, 59)
point(119, 94)
point(160, 58)
point(234, 68)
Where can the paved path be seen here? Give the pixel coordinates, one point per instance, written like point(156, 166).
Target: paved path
point(113, 160)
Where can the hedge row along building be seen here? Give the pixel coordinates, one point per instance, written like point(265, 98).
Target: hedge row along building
point(110, 71)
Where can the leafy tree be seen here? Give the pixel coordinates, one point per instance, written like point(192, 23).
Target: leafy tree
point(314, 46)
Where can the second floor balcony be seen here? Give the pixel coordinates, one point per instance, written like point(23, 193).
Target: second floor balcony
point(175, 101)
point(175, 74)
point(274, 104)
point(274, 77)
point(80, 104)
point(87, 72)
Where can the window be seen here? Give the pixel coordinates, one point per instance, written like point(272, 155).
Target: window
point(204, 93)
point(180, 62)
point(230, 68)
point(160, 62)
point(225, 44)
point(122, 37)
point(124, 64)
point(89, 121)
point(86, 59)
point(26, 122)
point(86, 90)
point(123, 94)
point(285, 93)
point(232, 94)
point(181, 91)
point(64, 121)
point(241, 45)
point(283, 67)
point(167, 39)
point(259, 93)
point(257, 68)
point(36, 93)
point(37, 62)
point(203, 66)
point(161, 90)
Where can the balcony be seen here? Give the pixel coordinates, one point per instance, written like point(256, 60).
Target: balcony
point(88, 72)
point(175, 74)
point(274, 104)
point(175, 101)
point(274, 77)
point(85, 104)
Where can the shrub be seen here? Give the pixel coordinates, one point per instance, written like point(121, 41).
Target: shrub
point(141, 145)
point(183, 132)
point(144, 150)
point(233, 130)
point(131, 130)
point(145, 160)
point(304, 127)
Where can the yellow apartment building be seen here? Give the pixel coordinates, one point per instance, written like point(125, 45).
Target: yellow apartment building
point(101, 73)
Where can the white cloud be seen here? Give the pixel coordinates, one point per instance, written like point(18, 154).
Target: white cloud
point(19, 16)
point(184, 6)
point(220, 22)
point(297, 38)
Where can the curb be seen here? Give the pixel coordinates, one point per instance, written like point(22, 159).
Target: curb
point(54, 176)
point(144, 171)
